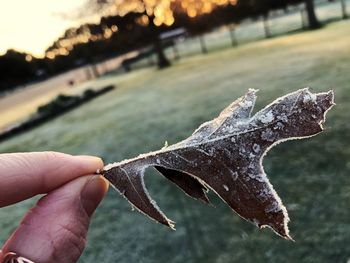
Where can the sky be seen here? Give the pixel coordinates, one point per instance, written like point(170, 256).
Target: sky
point(32, 25)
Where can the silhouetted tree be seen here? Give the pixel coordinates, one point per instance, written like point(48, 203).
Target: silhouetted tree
point(147, 10)
point(15, 69)
point(311, 14)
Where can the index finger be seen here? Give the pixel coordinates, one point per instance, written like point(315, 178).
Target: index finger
point(24, 175)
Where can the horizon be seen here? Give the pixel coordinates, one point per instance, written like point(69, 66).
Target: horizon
point(44, 21)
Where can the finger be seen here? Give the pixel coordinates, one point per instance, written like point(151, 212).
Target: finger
point(23, 175)
point(55, 229)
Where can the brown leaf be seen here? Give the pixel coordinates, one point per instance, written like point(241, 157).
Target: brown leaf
point(225, 155)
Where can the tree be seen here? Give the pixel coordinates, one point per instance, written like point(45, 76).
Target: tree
point(311, 14)
point(311, 17)
point(16, 68)
point(158, 14)
point(149, 10)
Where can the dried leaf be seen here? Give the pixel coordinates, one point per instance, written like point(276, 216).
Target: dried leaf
point(225, 155)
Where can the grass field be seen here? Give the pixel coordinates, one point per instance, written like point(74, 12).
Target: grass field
point(150, 107)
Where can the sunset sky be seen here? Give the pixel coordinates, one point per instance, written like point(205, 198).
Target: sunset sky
point(32, 25)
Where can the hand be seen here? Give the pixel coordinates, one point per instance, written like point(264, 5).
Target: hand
point(55, 229)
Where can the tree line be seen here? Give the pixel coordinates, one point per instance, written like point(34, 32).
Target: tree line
point(117, 34)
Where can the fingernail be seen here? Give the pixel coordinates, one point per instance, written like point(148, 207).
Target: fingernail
point(93, 193)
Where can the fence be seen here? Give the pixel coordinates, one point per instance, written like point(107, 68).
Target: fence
point(278, 22)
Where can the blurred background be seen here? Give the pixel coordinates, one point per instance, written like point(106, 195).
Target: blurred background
point(117, 78)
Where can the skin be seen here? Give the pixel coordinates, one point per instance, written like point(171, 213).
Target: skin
point(55, 229)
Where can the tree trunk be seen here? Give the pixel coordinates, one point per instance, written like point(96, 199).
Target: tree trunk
point(266, 25)
point(203, 45)
point(162, 62)
point(343, 9)
point(233, 36)
point(311, 15)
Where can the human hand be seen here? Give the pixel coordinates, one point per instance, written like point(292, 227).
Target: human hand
point(55, 229)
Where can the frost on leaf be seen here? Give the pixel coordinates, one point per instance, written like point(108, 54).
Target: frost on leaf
point(225, 155)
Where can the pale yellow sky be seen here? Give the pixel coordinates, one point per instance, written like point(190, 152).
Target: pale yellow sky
point(32, 25)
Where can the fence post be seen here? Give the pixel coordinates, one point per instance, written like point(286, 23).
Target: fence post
point(266, 25)
point(233, 35)
point(202, 43)
point(94, 69)
point(88, 72)
point(175, 51)
point(343, 9)
point(104, 67)
point(303, 18)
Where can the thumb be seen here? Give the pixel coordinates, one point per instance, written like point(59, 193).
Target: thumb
point(55, 229)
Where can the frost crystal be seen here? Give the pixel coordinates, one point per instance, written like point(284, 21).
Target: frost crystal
point(256, 148)
point(267, 117)
point(268, 135)
point(310, 97)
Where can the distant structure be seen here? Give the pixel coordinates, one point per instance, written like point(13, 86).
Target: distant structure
point(173, 34)
point(169, 38)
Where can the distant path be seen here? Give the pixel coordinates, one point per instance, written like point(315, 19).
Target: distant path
point(23, 102)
